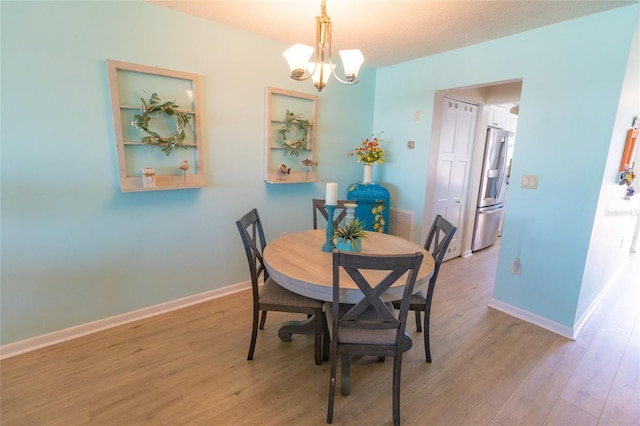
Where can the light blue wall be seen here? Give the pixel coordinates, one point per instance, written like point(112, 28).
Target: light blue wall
point(572, 78)
point(74, 248)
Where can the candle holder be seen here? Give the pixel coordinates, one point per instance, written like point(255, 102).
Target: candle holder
point(351, 212)
point(328, 245)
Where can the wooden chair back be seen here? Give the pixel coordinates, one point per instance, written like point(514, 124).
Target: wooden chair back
point(271, 296)
point(339, 214)
point(371, 326)
point(372, 313)
point(254, 242)
point(437, 243)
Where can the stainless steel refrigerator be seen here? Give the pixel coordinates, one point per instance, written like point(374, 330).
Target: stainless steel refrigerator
point(493, 185)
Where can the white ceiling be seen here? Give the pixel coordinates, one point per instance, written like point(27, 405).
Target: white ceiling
point(389, 32)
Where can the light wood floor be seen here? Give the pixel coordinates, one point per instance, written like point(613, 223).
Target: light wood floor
point(189, 367)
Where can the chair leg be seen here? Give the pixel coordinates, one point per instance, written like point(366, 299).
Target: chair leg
point(332, 382)
point(254, 334)
point(345, 380)
point(318, 332)
point(418, 321)
point(263, 319)
point(326, 338)
point(427, 345)
point(397, 373)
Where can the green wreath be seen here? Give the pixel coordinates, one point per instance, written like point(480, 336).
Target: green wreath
point(304, 126)
point(155, 106)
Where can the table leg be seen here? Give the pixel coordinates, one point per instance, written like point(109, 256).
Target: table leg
point(407, 343)
point(308, 327)
point(288, 328)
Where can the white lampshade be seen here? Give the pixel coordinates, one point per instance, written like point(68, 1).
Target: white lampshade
point(351, 61)
point(326, 72)
point(298, 56)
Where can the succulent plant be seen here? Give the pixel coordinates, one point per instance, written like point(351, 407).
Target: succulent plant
point(353, 230)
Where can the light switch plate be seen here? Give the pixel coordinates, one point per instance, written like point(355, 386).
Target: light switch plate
point(529, 182)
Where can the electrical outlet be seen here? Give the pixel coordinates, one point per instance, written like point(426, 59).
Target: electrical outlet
point(516, 267)
point(417, 115)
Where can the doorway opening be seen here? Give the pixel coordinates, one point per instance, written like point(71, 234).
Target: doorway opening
point(461, 118)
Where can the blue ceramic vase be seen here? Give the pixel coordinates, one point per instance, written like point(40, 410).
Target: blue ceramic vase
point(349, 245)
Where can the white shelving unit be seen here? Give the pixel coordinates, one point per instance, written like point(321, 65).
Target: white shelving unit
point(127, 84)
point(306, 108)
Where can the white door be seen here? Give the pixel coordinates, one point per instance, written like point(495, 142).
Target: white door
point(457, 133)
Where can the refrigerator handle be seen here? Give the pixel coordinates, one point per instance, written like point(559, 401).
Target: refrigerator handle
point(503, 166)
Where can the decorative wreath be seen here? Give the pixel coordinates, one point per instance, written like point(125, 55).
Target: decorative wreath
point(304, 126)
point(155, 106)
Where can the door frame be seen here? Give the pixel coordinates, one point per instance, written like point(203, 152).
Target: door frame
point(473, 181)
point(485, 94)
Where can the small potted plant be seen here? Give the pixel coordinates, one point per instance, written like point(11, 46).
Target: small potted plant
point(349, 236)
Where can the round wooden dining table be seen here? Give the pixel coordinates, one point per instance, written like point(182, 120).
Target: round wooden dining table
point(296, 261)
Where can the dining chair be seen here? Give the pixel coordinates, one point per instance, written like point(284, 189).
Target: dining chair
point(271, 296)
point(437, 242)
point(371, 326)
point(339, 214)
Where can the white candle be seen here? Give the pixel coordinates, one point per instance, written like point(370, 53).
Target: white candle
point(332, 194)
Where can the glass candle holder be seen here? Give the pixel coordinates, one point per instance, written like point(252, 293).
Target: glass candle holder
point(148, 177)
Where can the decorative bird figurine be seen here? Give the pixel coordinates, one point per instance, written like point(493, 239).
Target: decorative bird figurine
point(284, 170)
point(309, 163)
point(184, 166)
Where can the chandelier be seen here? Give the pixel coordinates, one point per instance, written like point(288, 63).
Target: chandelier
point(319, 71)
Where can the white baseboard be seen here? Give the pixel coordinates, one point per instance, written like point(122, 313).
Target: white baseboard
point(594, 304)
point(59, 336)
point(529, 317)
point(466, 254)
point(568, 332)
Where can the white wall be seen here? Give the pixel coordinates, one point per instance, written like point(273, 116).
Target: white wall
point(616, 218)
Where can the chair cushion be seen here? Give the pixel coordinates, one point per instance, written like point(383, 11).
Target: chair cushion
point(417, 302)
point(418, 298)
point(273, 293)
point(359, 335)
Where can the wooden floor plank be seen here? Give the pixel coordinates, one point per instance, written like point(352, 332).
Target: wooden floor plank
point(566, 414)
point(623, 403)
point(189, 367)
point(529, 403)
point(589, 385)
point(431, 395)
point(507, 371)
point(468, 409)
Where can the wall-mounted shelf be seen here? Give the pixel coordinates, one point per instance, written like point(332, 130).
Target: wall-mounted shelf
point(128, 83)
point(305, 107)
